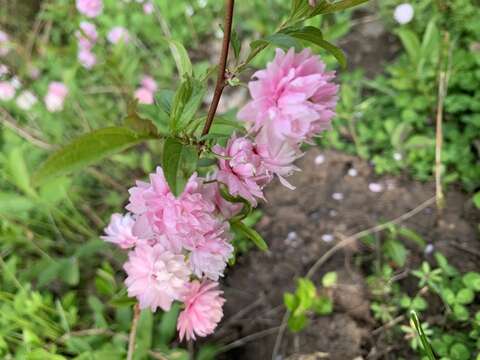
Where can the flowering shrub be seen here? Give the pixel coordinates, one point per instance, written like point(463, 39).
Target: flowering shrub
point(178, 225)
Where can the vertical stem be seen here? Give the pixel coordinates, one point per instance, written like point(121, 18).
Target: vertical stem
point(133, 332)
point(222, 65)
point(442, 89)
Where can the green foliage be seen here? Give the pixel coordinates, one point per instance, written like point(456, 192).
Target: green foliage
point(306, 300)
point(391, 119)
point(441, 290)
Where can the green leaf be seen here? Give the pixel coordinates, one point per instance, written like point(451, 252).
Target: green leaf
point(236, 44)
point(419, 141)
point(476, 200)
point(327, 8)
point(297, 323)
point(181, 58)
point(290, 301)
point(313, 35)
point(459, 351)
point(179, 162)
point(396, 251)
point(167, 327)
point(19, 172)
point(444, 265)
point(12, 203)
point(251, 234)
point(144, 335)
point(284, 41)
point(329, 279)
point(419, 303)
point(69, 271)
point(411, 235)
point(472, 280)
point(188, 99)
point(411, 43)
point(461, 312)
point(323, 305)
point(86, 150)
point(465, 296)
point(139, 124)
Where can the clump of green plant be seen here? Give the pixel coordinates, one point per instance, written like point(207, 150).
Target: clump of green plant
point(443, 298)
point(307, 300)
point(391, 119)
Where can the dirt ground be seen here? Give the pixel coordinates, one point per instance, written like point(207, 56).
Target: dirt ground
point(295, 225)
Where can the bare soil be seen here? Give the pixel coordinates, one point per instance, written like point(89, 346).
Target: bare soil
point(295, 225)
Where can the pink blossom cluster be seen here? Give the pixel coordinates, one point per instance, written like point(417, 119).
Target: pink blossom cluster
point(146, 92)
point(179, 245)
point(55, 98)
point(118, 34)
point(87, 37)
point(293, 100)
point(90, 8)
point(178, 249)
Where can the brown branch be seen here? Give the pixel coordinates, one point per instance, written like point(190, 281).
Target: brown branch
point(222, 65)
point(133, 332)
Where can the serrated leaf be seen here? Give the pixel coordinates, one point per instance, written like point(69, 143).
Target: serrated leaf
point(86, 150)
point(251, 234)
point(179, 162)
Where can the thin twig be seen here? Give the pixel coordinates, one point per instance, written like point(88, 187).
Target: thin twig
point(222, 65)
point(248, 338)
point(133, 332)
point(345, 242)
point(7, 120)
point(388, 325)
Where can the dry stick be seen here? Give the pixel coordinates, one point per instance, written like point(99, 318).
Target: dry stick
point(7, 120)
point(442, 87)
point(345, 242)
point(133, 332)
point(248, 338)
point(222, 65)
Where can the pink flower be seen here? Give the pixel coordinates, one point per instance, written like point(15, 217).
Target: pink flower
point(277, 155)
point(156, 276)
point(87, 59)
point(179, 219)
point(57, 92)
point(148, 8)
point(26, 100)
point(144, 96)
point(90, 8)
point(149, 83)
point(210, 252)
point(117, 34)
point(312, 3)
point(227, 209)
point(293, 97)
point(119, 231)
point(7, 91)
point(241, 169)
point(3, 70)
point(87, 35)
point(4, 43)
point(203, 310)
